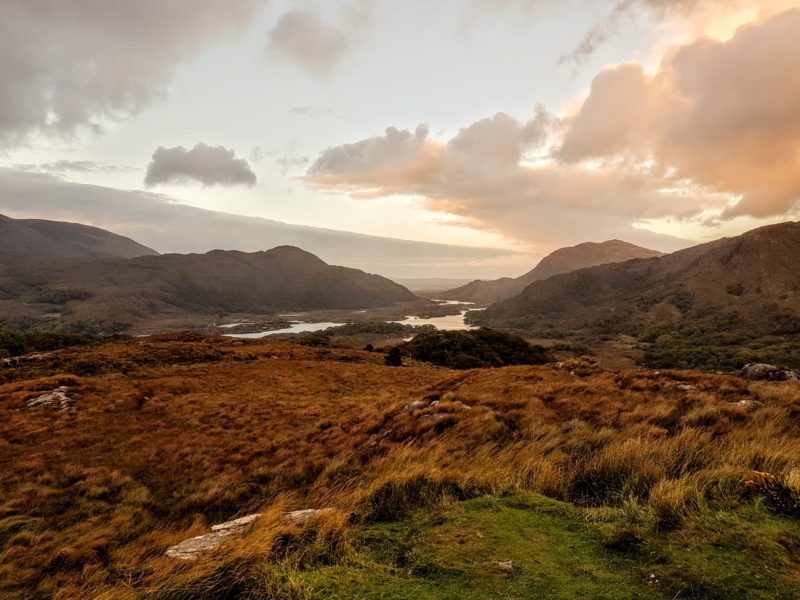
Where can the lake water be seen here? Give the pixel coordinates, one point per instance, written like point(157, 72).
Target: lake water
point(446, 322)
point(295, 327)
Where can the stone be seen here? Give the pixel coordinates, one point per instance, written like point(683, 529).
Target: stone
point(191, 548)
point(58, 399)
point(416, 405)
point(301, 517)
point(749, 404)
point(767, 372)
point(506, 565)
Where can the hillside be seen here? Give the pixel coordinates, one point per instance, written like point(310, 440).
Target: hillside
point(215, 283)
point(563, 260)
point(36, 237)
point(523, 483)
point(736, 292)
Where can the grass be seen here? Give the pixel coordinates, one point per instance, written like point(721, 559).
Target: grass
point(556, 552)
point(588, 482)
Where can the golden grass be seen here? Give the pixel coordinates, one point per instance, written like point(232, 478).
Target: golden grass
point(170, 435)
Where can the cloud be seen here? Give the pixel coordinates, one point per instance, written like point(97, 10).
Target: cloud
point(305, 39)
point(480, 175)
point(692, 15)
point(720, 114)
point(713, 134)
point(66, 65)
point(163, 223)
point(61, 167)
point(290, 162)
point(209, 165)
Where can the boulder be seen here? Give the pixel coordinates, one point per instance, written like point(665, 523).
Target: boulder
point(766, 372)
point(57, 399)
point(191, 548)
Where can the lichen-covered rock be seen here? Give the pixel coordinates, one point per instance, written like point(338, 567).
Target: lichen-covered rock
point(191, 548)
point(57, 399)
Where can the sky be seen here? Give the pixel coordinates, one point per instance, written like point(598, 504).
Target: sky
point(512, 127)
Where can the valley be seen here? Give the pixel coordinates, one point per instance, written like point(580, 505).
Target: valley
point(569, 449)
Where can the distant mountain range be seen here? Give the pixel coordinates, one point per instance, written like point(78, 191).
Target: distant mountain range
point(172, 227)
point(179, 285)
point(36, 237)
point(563, 260)
point(725, 302)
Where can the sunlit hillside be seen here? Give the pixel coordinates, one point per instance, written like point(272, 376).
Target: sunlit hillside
point(552, 481)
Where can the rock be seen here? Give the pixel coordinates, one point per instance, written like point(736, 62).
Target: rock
point(686, 387)
point(766, 372)
point(58, 399)
point(301, 517)
point(191, 548)
point(749, 404)
point(416, 405)
point(506, 565)
point(240, 523)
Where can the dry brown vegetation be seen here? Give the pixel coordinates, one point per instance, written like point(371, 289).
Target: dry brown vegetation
point(170, 434)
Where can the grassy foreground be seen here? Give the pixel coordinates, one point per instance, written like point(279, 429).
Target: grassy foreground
point(521, 482)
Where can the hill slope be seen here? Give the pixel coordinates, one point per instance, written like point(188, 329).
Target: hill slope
point(563, 260)
point(434, 480)
point(37, 237)
point(740, 287)
point(218, 282)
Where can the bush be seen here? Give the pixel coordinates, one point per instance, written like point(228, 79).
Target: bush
point(473, 349)
point(393, 358)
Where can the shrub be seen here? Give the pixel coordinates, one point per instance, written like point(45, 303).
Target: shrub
point(473, 349)
point(393, 357)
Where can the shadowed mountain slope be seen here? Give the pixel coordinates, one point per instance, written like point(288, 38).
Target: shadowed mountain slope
point(37, 237)
point(564, 260)
point(218, 282)
point(747, 285)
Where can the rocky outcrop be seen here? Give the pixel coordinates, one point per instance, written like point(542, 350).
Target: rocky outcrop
point(191, 548)
point(58, 400)
point(765, 372)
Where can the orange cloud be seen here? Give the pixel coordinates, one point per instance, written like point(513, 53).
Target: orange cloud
point(723, 115)
point(713, 133)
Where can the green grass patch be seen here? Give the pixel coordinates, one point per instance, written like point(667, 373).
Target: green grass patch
point(558, 551)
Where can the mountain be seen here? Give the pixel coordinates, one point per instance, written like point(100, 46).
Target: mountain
point(170, 226)
point(727, 293)
point(564, 260)
point(36, 237)
point(176, 285)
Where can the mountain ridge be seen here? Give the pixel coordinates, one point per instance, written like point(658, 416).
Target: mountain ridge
point(563, 260)
point(215, 282)
point(43, 237)
point(739, 293)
